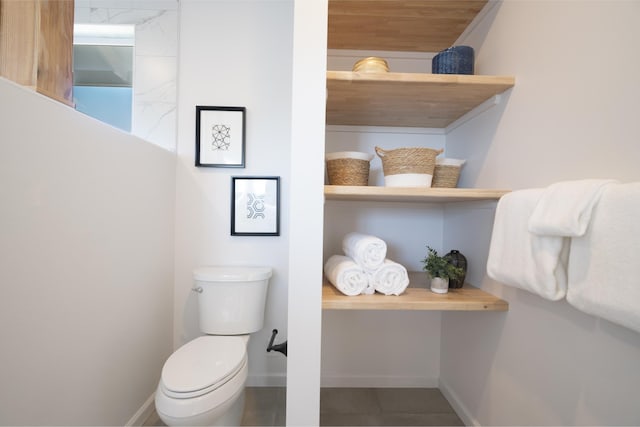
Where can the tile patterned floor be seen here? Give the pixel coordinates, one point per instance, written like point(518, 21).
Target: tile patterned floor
point(265, 406)
point(385, 407)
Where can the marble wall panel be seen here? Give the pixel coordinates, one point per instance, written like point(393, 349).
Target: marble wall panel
point(155, 62)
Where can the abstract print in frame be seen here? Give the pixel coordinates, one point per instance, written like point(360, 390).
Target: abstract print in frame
point(255, 206)
point(220, 136)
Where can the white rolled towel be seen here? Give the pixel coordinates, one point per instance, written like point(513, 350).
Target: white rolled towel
point(390, 279)
point(347, 276)
point(366, 250)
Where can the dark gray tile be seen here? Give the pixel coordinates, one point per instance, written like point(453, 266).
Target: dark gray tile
point(260, 399)
point(334, 419)
point(281, 417)
point(348, 401)
point(153, 420)
point(398, 419)
point(264, 406)
point(412, 400)
point(250, 418)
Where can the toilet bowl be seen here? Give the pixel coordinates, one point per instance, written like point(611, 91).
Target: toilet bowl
point(203, 382)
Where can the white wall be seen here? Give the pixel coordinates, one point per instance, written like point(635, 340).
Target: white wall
point(234, 53)
point(571, 115)
point(86, 265)
point(357, 347)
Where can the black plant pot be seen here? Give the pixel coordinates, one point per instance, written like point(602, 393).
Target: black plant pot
point(458, 260)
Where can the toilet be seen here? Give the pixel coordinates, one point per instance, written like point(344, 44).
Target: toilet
point(203, 382)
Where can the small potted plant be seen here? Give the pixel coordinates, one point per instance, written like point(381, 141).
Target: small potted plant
point(440, 271)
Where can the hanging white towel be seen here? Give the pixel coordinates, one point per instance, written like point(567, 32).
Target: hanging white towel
point(390, 279)
point(522, 259)
point(347, 276)
point(603, 264)
point(564, 209)
point(366, 250)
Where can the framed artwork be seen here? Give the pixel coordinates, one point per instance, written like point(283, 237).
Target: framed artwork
point(220, 136)
point(255, 206)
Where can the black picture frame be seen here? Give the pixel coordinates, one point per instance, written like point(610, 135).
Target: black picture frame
point(220, 136)
point(255, 205)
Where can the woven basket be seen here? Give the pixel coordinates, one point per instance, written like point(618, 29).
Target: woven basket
point(348, 168)
point(408, 161)
point(447, 173)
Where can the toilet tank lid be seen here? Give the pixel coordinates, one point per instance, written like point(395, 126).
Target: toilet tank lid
point(231, 273)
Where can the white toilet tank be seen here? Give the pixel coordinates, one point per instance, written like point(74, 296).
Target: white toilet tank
point(231, 300)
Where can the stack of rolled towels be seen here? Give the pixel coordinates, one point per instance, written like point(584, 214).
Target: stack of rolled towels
point(364, 267)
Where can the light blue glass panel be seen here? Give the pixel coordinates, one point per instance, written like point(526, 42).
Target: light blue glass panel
point(111, 105)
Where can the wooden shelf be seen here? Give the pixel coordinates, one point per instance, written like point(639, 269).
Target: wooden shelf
point(410, 194)
point(399, 25)
point(407, 99)
point(467, 298)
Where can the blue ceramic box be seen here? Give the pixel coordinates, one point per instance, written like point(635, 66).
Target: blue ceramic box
point(454, 60)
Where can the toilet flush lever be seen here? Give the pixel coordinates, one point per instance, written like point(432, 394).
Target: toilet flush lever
point(198, 289)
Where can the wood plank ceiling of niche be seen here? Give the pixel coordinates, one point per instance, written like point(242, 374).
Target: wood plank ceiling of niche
point(399, 25)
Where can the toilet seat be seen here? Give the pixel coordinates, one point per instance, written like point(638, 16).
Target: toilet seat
point(203, 365)
point(202, 409)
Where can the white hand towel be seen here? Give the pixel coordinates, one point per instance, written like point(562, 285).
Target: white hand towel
point(603, 264)
point(390, 279)
point(522, 259)
point(565, 207)
point(366, 250)
point(347, 276)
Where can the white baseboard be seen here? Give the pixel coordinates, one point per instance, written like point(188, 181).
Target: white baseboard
point(458, 406)
point(377, 382)
point(348, 381)
point(143, 413)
